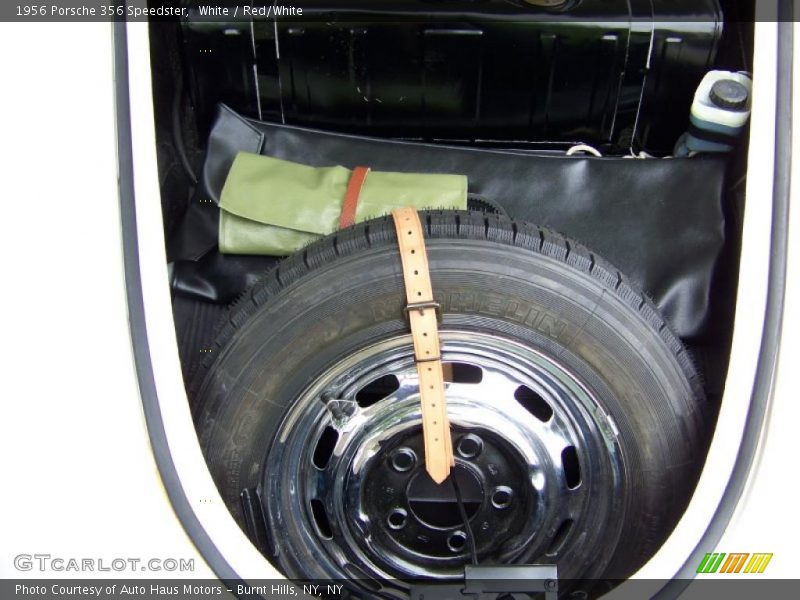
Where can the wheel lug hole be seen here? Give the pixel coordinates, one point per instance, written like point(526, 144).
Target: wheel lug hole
point(403, 460)
point(469, 446)
point(457, 541)
point(397, 518)
point(502, 497)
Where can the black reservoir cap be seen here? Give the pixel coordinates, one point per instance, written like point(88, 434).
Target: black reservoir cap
point(729, 94)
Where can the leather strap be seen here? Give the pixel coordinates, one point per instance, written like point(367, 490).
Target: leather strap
point(423, 318)
point(348, 215)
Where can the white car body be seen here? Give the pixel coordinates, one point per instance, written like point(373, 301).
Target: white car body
point(78, 469)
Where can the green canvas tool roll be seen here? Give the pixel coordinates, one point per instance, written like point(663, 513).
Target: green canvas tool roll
point(275, 207)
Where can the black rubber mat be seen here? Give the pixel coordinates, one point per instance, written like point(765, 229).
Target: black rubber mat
point(196, 323)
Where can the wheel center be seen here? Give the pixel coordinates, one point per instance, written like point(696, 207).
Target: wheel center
point(437, 505)
point(409, 516)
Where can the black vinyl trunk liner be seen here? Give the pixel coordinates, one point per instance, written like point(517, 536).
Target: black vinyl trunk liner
point(661, 221)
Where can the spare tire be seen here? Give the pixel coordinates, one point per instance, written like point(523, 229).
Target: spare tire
point(579, 421)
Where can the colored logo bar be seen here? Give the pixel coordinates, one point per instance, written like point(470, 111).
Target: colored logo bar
point(735, 562)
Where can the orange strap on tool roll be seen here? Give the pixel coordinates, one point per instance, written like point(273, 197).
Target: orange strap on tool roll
point(423, 316)
point(348, 215)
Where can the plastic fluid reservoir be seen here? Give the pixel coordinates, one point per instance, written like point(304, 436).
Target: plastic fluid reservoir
point(720, 111)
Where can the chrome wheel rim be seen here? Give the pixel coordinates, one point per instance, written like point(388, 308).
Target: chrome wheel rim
point(536, 455)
